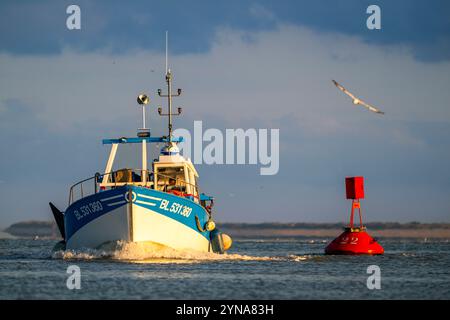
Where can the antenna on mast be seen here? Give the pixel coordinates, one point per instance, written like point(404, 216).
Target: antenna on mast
point(167, 49)
point(169, 94)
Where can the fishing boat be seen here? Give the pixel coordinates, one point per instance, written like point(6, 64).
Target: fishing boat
point(160, 203)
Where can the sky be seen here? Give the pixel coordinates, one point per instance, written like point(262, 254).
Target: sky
point(241, 64)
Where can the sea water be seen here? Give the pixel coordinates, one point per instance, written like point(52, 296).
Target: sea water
point(293, 268)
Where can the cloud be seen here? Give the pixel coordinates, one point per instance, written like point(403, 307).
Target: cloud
point(277, 78)
point(278, 73)
point(39, 27)
point(260, 12)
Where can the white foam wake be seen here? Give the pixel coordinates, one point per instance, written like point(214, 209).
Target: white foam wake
point(148, 252)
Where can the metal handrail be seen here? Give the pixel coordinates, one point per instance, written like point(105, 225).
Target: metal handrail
point(78, 183)
point(148, 172)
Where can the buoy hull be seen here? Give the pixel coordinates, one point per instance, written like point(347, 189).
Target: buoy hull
point(354, 242)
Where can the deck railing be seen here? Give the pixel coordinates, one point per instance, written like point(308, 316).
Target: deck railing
point(123, 177)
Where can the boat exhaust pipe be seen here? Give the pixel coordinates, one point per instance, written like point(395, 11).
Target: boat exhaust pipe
point(59, 218)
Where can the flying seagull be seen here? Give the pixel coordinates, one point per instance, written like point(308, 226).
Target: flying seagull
point(357, 100)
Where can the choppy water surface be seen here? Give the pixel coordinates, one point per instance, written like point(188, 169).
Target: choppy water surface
point(253, 269)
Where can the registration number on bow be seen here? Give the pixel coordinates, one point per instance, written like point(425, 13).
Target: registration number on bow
point(176, 208)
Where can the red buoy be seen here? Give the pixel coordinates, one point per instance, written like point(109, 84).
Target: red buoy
point(354, 240)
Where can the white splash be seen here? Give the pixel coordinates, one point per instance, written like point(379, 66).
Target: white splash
point(296, 258)
point(148, 252)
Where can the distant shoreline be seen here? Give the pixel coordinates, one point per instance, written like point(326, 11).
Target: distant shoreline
point(331, 230)
point(48, 229)
point(336, 225)
point(331, 233)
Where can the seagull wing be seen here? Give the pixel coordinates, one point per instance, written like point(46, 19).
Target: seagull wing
point(370, 107)
point(344, 90)
point(357, 100)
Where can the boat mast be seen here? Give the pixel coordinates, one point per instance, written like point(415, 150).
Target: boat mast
point(143, 100)
point(169, 94)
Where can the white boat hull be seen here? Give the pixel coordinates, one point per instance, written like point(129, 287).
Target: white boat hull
point(141, 220)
